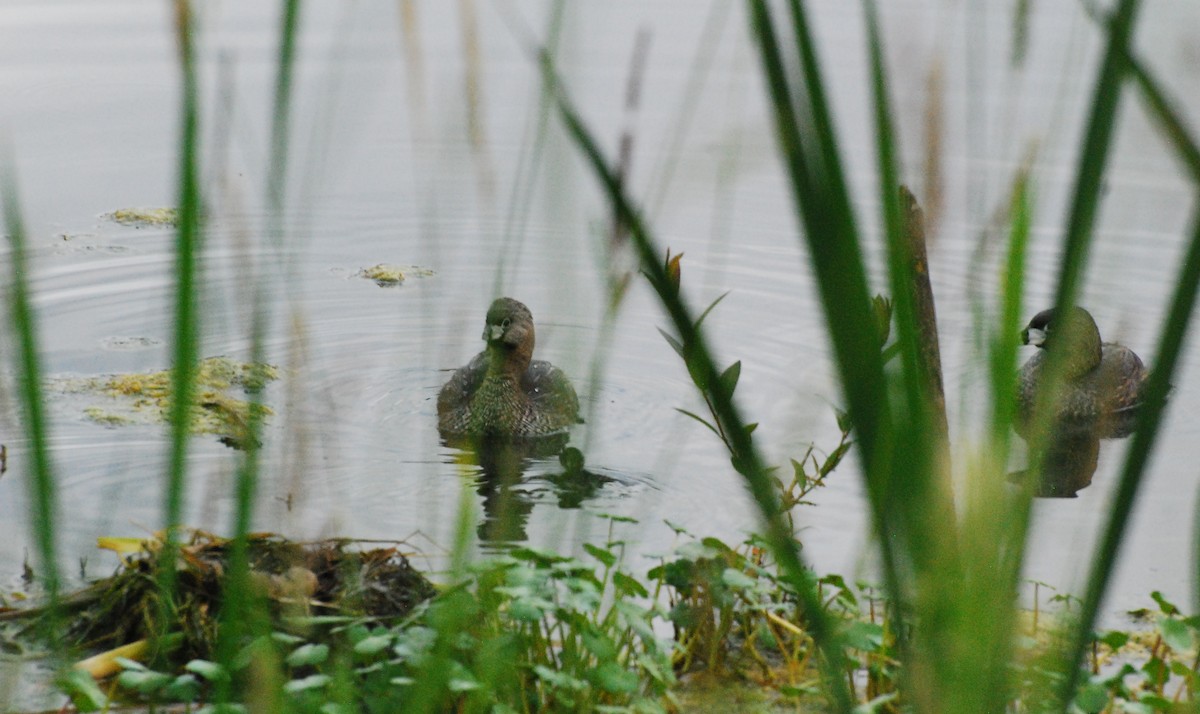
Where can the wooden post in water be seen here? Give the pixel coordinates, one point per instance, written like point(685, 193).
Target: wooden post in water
point(924, 311)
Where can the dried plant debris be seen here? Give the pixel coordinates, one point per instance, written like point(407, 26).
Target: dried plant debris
point(290, 580)
point(388, 275)
point(144, 217)
point(146, 398)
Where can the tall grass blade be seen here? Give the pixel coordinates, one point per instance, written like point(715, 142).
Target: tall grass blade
point(1164, 110)
point(184, 350)
point(746, 458)
point(823, 207)
point(40, 471)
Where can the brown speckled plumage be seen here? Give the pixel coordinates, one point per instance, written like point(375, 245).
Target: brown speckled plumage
point(1102, 382)
point(503, 392)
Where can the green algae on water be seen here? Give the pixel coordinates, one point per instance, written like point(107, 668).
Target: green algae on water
point(389, 275)
point(144, 217)
point(145, 398)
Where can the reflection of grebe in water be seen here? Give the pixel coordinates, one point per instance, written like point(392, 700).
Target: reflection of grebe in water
point(1098, 397)
point(503, 392)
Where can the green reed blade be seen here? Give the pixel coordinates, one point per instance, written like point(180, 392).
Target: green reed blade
point(1164, 110)
point(184, 351)
point(824, 210)
point(746, 458)
point(41, 471)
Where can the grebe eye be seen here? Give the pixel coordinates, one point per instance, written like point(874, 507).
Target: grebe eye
point(505, 322)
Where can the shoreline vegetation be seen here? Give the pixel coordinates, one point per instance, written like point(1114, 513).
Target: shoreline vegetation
point(251, 622)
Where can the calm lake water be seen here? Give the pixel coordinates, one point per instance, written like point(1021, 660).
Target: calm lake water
point(394, 160)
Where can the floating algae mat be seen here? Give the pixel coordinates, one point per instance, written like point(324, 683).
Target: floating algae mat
point(388, 275)
point(144, 217)
point(146, 398)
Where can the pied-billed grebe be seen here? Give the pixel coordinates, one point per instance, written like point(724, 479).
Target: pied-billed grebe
point(503, 392)
point(1102, 382)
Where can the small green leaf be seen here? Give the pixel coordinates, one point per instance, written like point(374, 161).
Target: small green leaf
point(85, 694)
point(1092, 698)
point(729, 378)
point(710, 307)
point(1176, 634)
point(604, 556)
point(307, 655)
point(615, 679)
point(314, 681)
point(373, 645)
point(599, 645)
point(131, 664)
point(737, 579)
point(143, 681)
point(866, 636)
point(558, 679)
point(1167, 608)
point(1114, 639)
point(210, 671)
point(674, 343)
point(700, 419)
point(184, 688)
point(627, 585)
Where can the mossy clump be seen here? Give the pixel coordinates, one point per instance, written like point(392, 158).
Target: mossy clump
point(142, 398)
point(388, 275)
point(144, 217)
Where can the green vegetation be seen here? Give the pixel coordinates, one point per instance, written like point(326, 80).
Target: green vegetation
point(531, 630)
point(144, 217)
point(388, 275)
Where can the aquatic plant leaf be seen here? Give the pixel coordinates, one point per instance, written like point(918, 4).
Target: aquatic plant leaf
point(599, 644)
point(1092, 697)
point(613, 678)
point(184, 688)
point(603, 555)
point(143, 681)
point(210, 671)
point(674, 343)
point(1115, 639)
point(627, 585)
point(1167, 607)
point(372, 645)
point(729, 378)
point(307, 655)
point(864, 635)
point(735, 578)
point(1176, 634)
point(710, 307)
point(698, 418)
point(561, 680)
point(83, 691)
point(314, 681)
